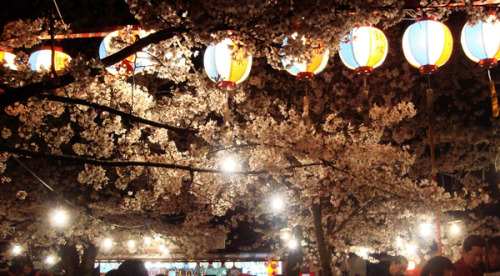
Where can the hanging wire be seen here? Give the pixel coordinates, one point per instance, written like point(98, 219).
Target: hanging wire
point(69, 202)
point(58, 11)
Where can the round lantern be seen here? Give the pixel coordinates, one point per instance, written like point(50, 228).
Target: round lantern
point(132, 64)
point(8, 58)
point(363, 49)
point(427, 45)
point(481, 42)
point(227, 63)
point(303, 70)
point(42, 59)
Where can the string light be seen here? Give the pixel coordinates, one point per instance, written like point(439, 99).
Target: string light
point(229, 165)
point(147, 240)
point(285, 236)
point(131, 244)
point(363, 252)
point(455, 229)
point(59, 218)
point(293, 244)
point(16, 249)
point(50, 260)
point(277, 203)
point(108, 243)
point(411, 265)
point(426, 229)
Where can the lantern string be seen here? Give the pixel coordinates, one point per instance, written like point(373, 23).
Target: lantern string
point(226, 106)
point(305, 114)
point(58, 11)
point(365, 108)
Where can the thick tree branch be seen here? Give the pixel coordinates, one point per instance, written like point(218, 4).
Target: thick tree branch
point(121, 163)
point(14, 95)
point(122, 114)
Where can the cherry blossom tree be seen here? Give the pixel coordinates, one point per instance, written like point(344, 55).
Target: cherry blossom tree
point(134, 155)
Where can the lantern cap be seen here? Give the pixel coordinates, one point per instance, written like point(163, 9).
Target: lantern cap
point(364, 70)
point(227, 85)
point(305, 76)
point(488, 63)
point(426, 18)
point(428, 69)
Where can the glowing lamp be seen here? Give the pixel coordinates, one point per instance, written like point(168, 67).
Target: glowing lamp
point(16, 250)
point(427, 45)
point(363, 49)
point(130, 65)
point(481, 42)
point(307, 70)
point(229, 165)
point(293, 244)
point(59, 218)
point(42, 59)
point(107, 243)
point(8, 58)
point(227, 63)
point(277, 203)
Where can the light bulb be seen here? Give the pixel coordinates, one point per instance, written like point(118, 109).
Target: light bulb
point(229, 165)
point(426, 229)
point(107, 243)
point(455, 229)
point(50, 260)
point(59, 218)
point(292, 244)
point(16, 249)
point(411, 265)
point(131, 244)
point(285, 236)
point(163, 249)
point(147, 240)
point(363, 252)
point(399, 242)
point(277, 204)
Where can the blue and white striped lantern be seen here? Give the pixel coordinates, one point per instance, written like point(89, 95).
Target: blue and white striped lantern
point(427, 45)
point(481, 42)
point(130, 65)
point(363, 49)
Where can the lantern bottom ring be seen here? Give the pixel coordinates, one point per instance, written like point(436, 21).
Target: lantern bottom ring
point(227, 85)
point(305, 76)
point(364, 70)
point(428, 69)
point(488, 63)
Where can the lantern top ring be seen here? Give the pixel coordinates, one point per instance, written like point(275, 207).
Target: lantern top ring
point(305, 76)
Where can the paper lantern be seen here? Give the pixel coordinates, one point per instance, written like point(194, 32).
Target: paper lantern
point(130, 65)
point(427, 45)
point(43, 59)
point(481, 42)
point(363, 49)
point(303, 70)
point(227, 63)
point(8, 58)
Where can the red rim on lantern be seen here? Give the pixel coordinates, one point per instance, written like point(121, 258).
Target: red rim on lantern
point(488, 63)
point(305, 76)
point(428, 69)
point(364, 70)
point(227, 85)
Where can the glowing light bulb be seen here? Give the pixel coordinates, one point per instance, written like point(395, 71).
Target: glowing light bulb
point(455, 229)
point(285, 236)
point(163, 249)
point(399, 242)
point(147, 240)
point(229, 165)
point(131, 244)
point(16, 249)
point(107, 243)
point(426, 229)
point(411, 265)
point(277, 204)
point(59, 218)
point(292, 244)
point(363, 253)
point(50, 260)
point(410, 249)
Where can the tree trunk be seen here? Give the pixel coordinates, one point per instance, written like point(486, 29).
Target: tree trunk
point(69, 259)
point(88, 260)
point(325, 255)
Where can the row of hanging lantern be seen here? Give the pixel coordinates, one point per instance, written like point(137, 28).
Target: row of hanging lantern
point(427, 45)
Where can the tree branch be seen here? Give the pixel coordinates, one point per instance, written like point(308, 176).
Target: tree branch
point(126, 163)
point(115, 111)
point(14, 95)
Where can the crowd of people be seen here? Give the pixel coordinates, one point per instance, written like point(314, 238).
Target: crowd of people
point(479, 258)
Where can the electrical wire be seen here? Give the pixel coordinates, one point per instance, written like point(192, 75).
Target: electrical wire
point(58, 11)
